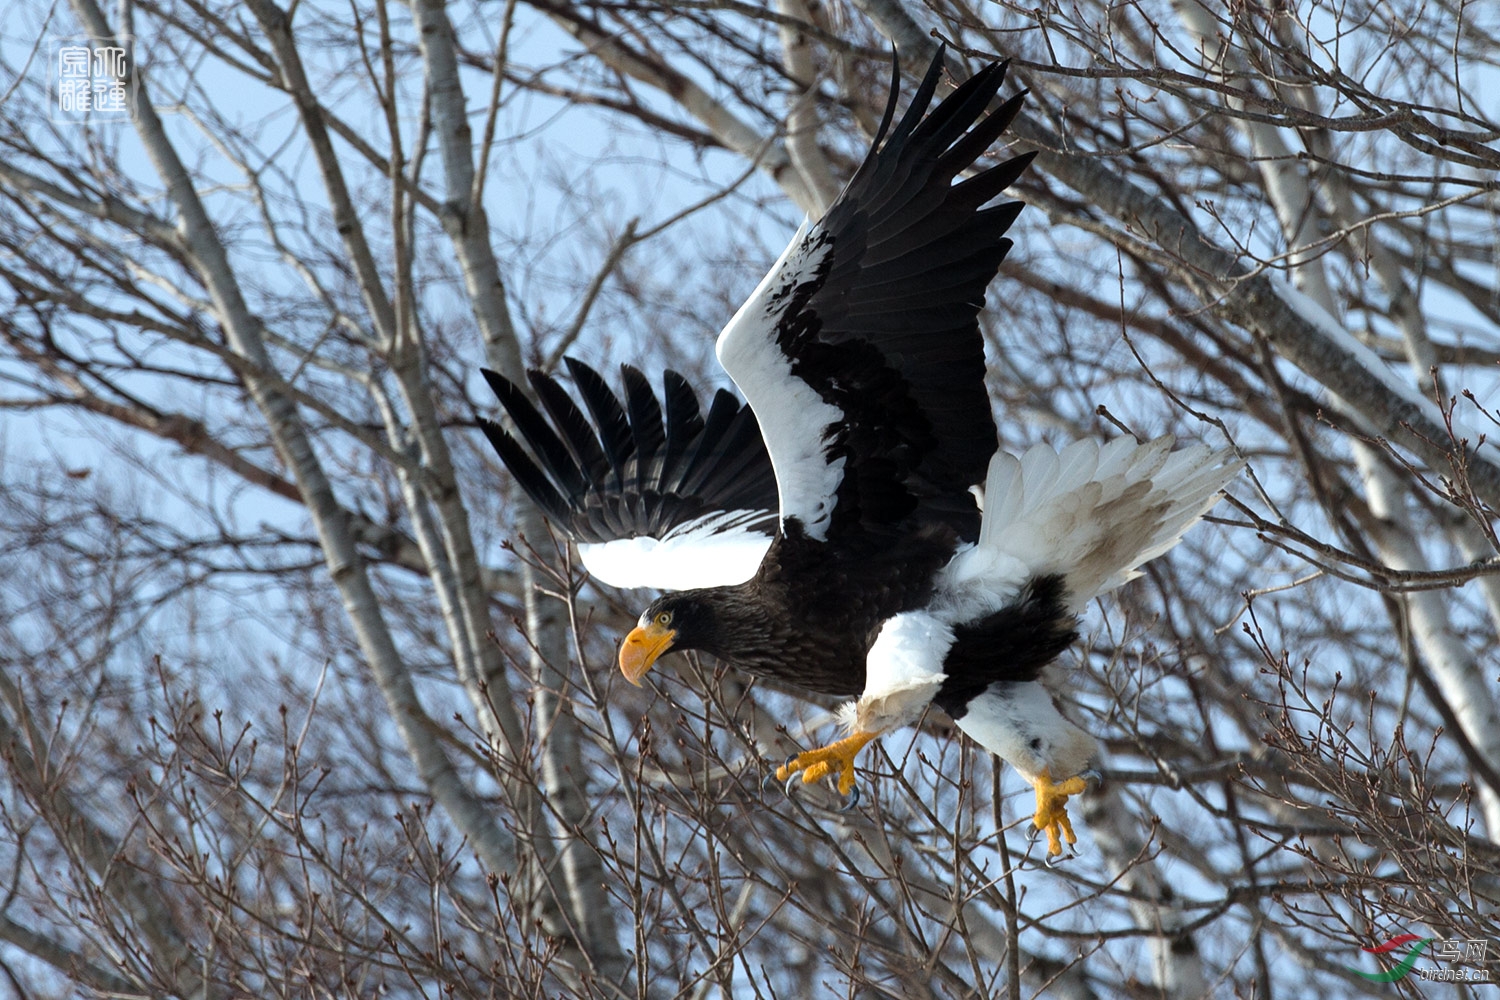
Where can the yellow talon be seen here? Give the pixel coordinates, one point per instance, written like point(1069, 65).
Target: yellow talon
point(834, 758)
point(1051, 809)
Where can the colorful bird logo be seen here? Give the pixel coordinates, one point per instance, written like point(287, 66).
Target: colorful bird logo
point(1400, 971)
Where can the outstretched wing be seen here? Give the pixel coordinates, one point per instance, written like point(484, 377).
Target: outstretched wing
point(860, 352)
point(655, 493)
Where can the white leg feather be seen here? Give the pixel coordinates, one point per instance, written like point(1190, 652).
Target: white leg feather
point(1020, 723)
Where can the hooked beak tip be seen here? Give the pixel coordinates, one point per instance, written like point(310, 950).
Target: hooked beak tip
point(641, 649)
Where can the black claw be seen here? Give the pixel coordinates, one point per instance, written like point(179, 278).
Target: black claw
point(852, 801)
point(792, 776)
point(1092, 776)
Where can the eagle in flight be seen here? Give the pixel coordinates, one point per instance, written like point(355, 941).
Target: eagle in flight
point(855, 530)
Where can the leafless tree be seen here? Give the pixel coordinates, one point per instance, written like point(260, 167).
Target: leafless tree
point(297, 699)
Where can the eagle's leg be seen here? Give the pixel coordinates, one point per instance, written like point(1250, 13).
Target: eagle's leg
point(1051, 809)
point(834, 758)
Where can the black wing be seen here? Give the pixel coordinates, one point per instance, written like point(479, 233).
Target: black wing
point(860, 352)
point(655, 493)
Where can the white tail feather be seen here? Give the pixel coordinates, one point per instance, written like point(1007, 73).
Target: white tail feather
point(1097, 514)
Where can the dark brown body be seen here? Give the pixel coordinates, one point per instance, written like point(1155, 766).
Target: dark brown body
point(810, 614)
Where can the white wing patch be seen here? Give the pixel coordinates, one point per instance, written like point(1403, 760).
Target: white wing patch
point(794, 419)
point(716, 550)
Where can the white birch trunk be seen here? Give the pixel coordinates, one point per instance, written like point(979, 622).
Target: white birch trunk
point(1454, 667)
point(802, 116)
point(565, 774)
point(723, 124)
point(242, 330)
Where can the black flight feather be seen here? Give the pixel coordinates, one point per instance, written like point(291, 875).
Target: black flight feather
point(609, 418)
point(552, 456)
point(684, 423)
point(644, 413)
point(886, 328)
point(573, 427)
point(641, 468)
point(525, 472)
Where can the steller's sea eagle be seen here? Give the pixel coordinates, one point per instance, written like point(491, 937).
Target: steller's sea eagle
point(855, 530)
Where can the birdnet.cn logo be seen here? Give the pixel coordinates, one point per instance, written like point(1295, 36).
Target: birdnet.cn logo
point(1465, 957)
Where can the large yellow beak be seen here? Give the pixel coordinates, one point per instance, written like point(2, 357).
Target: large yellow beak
point(641, 648)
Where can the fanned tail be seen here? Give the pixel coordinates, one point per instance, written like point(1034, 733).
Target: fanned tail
point(1096, 514)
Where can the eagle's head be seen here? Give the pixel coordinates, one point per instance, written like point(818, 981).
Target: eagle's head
point(676, 621)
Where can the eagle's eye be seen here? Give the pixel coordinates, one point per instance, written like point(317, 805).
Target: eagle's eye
point(664, 619)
